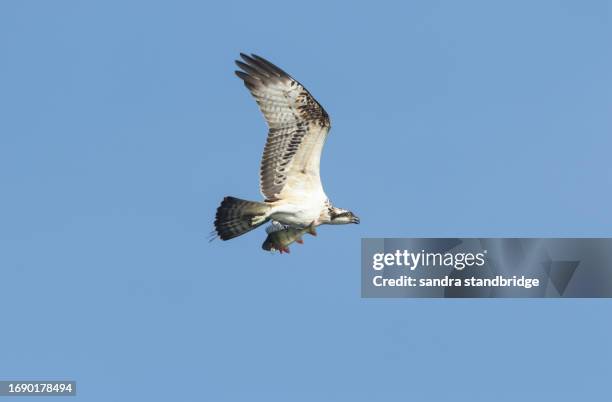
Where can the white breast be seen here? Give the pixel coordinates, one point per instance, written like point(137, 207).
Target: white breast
point(297, 214)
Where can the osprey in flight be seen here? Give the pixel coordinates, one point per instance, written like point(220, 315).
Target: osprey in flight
point(289, 174)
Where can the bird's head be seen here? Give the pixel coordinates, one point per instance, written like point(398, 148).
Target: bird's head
point(339, 216)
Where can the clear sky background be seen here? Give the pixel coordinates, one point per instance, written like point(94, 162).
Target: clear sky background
point(122, 126)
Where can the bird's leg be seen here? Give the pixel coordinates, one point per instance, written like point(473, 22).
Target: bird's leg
point(311, 229)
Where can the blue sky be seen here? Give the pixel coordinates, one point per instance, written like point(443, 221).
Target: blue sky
point(123, 126)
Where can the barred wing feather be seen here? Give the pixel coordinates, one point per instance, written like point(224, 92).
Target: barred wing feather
point(298, 126)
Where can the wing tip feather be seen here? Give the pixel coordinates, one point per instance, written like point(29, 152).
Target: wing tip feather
point(270, 66)
point(262, 66)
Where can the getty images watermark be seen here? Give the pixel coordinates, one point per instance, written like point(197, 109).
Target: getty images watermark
point(408, 260)
point(472, 267)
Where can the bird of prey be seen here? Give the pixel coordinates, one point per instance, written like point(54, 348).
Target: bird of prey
point(289, 173)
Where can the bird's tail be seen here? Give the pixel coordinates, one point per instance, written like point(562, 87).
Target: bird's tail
point(236, 217)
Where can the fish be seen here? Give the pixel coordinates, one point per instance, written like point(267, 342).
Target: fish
point(281, 236)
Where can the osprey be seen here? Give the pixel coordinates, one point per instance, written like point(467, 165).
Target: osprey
point(289, 173)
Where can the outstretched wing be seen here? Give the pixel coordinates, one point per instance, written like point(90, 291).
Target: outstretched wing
point(298, 126)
